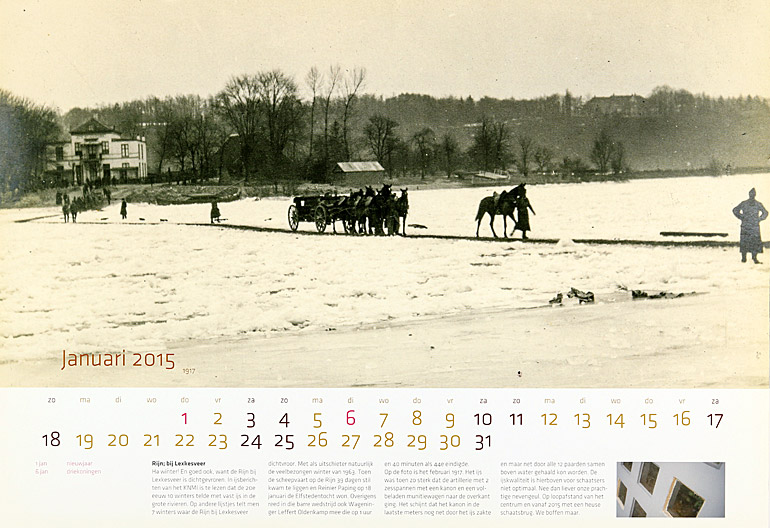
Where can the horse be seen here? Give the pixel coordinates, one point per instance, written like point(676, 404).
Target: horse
point(402, 208)
point(338, 210)
point(363, 209)
point(505, 205)
point(353, 212)
point(377, 209)
point(392, 210)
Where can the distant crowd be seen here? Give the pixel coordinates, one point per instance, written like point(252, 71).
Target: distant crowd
point(92, 197)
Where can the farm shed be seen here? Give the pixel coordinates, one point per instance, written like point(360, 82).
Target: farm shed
point(360, 172)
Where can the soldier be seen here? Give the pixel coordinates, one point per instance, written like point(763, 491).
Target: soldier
point(522, 214)
point(750, 212)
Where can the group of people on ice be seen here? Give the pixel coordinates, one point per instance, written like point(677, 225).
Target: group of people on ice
point(72, 206)
point(91, 199)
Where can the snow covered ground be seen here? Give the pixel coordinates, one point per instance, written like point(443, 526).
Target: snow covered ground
point(638, 209)
point(236, 301)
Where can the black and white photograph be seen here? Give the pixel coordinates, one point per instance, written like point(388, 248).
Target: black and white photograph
point(384, 194)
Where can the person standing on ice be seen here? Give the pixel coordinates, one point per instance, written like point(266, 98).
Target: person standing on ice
point(123, 209)
point(214, 211)
point(750, 212)
point(522, 213)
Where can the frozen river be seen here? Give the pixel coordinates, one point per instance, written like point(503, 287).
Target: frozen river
point(103, 285)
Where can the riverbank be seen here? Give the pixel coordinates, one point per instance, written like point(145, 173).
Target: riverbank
point(164, 194)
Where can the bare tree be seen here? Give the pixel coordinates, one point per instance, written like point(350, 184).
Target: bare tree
point(183, 144)
point(336, 143)
point(425, 145)
point(239, 103)
point(331, 87)
point(281, 112)
point(351, 83)
point(543, 157)
point(398, 157)
point(381, 137)
point(490, 147)
point(525, 154)
point(501, 137)
point(618, 157)
point(602, 151)
point(483, 148)
point(313, 80)
point(209, 136)
point(162, 115)
point(265, 111)
point(449, 150)
point(25, 129)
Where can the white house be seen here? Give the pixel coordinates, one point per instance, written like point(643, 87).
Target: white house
point(97, 153)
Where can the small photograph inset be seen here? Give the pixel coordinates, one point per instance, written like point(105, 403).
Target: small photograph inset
point(670, 489)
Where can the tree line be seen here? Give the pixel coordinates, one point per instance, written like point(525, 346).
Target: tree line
point(25, 129)
point(266, 128)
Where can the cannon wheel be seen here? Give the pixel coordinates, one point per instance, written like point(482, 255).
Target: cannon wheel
point(391, 224)
point(320, 218)
point(293, 217)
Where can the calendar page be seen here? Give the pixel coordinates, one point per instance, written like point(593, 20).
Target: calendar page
point(384, 263)
point(214, 457)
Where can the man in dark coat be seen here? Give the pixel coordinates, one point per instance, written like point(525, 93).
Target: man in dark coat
point(214, 211)
point(123, 209)
point(522, 212)
point(750, 212)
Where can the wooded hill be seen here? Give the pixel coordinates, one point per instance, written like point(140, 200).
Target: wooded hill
point(735, 132)
point(688, 132)
point(260, 130)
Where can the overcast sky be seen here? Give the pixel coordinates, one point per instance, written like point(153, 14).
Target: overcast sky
point(83, 52)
